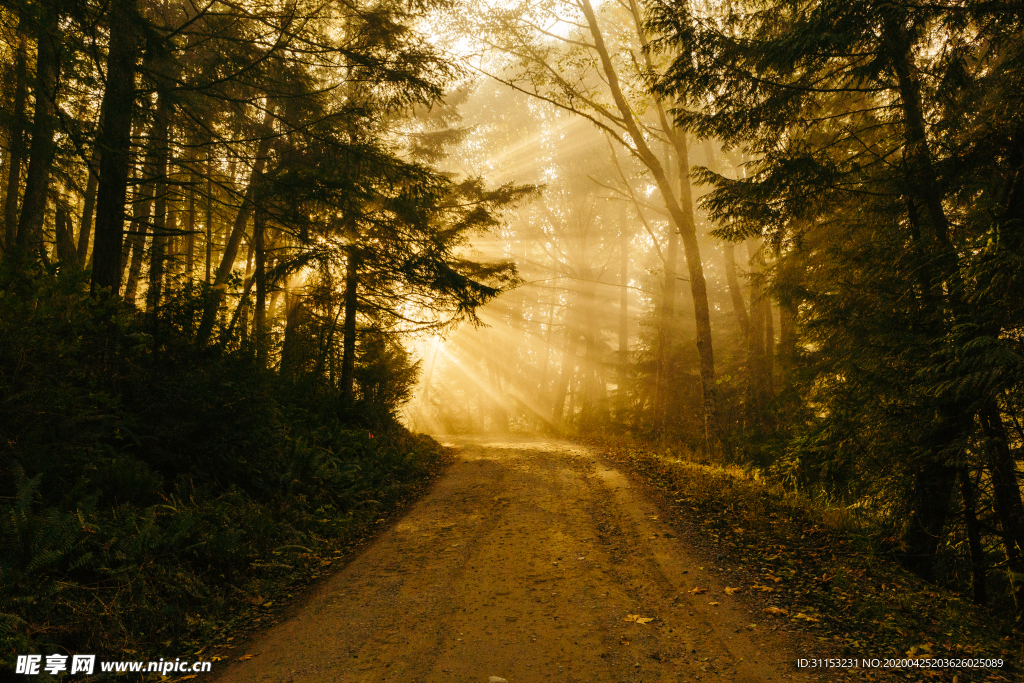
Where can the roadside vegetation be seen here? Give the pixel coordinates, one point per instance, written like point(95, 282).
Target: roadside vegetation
point(808, 565)
point(158, 490)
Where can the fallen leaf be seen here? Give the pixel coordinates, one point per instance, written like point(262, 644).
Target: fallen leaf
point(637, 619)
point(804, 617)
point(244, 657)
point(763, 589)
point(730, 591)
point(713, 604)
point(699, 590)
point(775, 610)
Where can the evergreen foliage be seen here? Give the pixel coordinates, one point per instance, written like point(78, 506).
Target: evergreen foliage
point(884, 169)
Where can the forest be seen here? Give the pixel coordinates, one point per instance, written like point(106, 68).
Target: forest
point(253, 250)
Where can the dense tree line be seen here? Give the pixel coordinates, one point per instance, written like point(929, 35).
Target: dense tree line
point(855, 196)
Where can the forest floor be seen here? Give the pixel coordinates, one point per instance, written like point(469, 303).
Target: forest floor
point(530, 560)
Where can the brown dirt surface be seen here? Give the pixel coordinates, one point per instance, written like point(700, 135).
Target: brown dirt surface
point(529, 560)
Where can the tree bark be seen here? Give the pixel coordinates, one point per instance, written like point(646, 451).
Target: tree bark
point(161, 123)
point(739, 308)
point(758, 387)
point(565, 377)
point(623, 374)
point(113, 142)
point(666, 326)
point(88, 210)
point(348, 358)
point(63, 234)
point(931, 492)
point(190, 240)
point(259, 317)
point(44, 124)
point(142, 207)
point(681, 212)
point(16, 136)
point(1006, 495)
point(970, 500)
point(227, 262)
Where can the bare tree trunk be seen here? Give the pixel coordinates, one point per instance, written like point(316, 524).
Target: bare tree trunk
point(259, 318)
point(142, 208)
point(758, 383)
point(735, 291)
point(787, 337)
point(623, 373)
point(227, 261)
point(63, 231)
point(969, 496)
point(348, 358)
point(567, 372)
point(113, 142)
point(16, 135)
point(499, 412)
point(190, 239)
point(769, 345)
point(88, 210)
point(209, 219)
point(44, 123)
point(161, 124)
point(1006, 498)
point(681, 212)
point(666, 326)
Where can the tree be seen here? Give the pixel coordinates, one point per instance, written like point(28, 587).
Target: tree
point(878, 174)
point(599, 72)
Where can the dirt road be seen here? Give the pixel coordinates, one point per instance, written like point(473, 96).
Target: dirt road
point(523, 563)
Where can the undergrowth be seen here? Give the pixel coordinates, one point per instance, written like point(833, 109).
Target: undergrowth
point(149, 488)
point(821, 569)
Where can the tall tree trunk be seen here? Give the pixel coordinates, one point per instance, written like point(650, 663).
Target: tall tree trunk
point(136, 246)
point(1006, 498)
point(969, 496)
point(142, 208)
point(769, 344)
point(295, 315)
point(567, 372)
point(787, 337)
point(757, 365)
point(348, 358)
point(44, 124)
point(209, 219)
point(114, 142)
point(681, 212)
point(499, 412)
point(666, 327)
point(259, 325)
point(931, 491)
point(161, 124)
point(623, 369)
point(190, 239)
point(63, 236)
point(739, 308)
point(88, 210)
point(227, 262)
point(16, 137)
